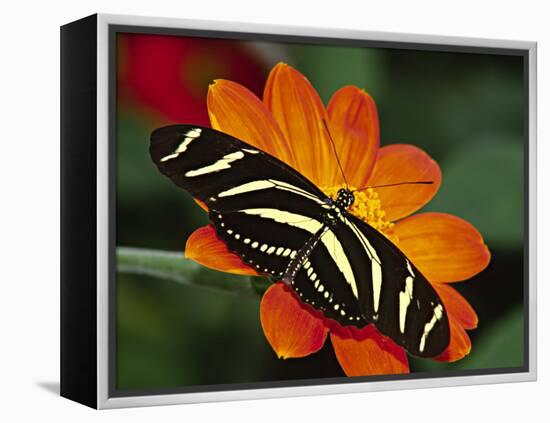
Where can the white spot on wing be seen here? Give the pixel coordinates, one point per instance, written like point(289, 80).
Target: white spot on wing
point(376, 271)
point(409, 268)
point(169, 157)
point(405, 298)
point(438, 314)
point(376, 265)
point(292, 219)
point(336, 251)
point(194, 133)
point(223, 163)
point(267, 184)
point(248, 187)
point(190, 136)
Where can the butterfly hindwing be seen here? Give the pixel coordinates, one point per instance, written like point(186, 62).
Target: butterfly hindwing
point(324, 282)
point(268, 214)
point(396, 297)
point(356, 276)
point(261, 242)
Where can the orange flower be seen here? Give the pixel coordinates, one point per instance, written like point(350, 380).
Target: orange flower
point(288, 124)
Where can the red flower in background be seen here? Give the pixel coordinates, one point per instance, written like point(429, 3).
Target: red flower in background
point(168, 76)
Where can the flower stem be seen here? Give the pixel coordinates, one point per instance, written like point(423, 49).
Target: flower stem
point(173, 266)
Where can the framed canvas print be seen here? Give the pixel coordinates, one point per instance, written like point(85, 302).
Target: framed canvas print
point(255, 211)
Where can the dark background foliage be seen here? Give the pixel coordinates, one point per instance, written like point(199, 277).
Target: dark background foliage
point(465, 110)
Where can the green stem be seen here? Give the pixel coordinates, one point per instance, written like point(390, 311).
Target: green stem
point(173, 266)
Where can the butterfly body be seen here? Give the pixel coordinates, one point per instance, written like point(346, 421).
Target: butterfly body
point(284, 227)
point(334, 211)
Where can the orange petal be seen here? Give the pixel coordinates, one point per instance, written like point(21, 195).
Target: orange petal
point(354, 128)
point(299, 111)
point(444, 247)
point(201, 205)
point(366, 352)
point(291, 329)
point(457, 306)
point(404, 163)
point(206, 248)
point(459, 344)
point(235, 110)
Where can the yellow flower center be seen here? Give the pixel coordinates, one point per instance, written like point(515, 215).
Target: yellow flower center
point(368, 208)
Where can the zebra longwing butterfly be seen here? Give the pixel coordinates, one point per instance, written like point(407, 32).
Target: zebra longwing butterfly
point(283, 226)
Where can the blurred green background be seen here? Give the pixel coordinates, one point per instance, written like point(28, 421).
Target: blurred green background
point(465, 110)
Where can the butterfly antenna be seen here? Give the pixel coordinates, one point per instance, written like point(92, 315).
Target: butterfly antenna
point(396, 184)
point(336, 153)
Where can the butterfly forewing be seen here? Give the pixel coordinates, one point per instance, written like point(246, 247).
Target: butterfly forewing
point(263, 209)
point(206, 163)
point(270, 215)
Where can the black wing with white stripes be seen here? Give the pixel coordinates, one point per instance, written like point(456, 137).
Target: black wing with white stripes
point(392, 293)
point(261, 208)
point(281, 224)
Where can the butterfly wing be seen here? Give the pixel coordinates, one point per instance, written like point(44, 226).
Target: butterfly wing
point(393, 293)
point(261, 208)
point(266, 212)
point(356, 276)
point(327, 282)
